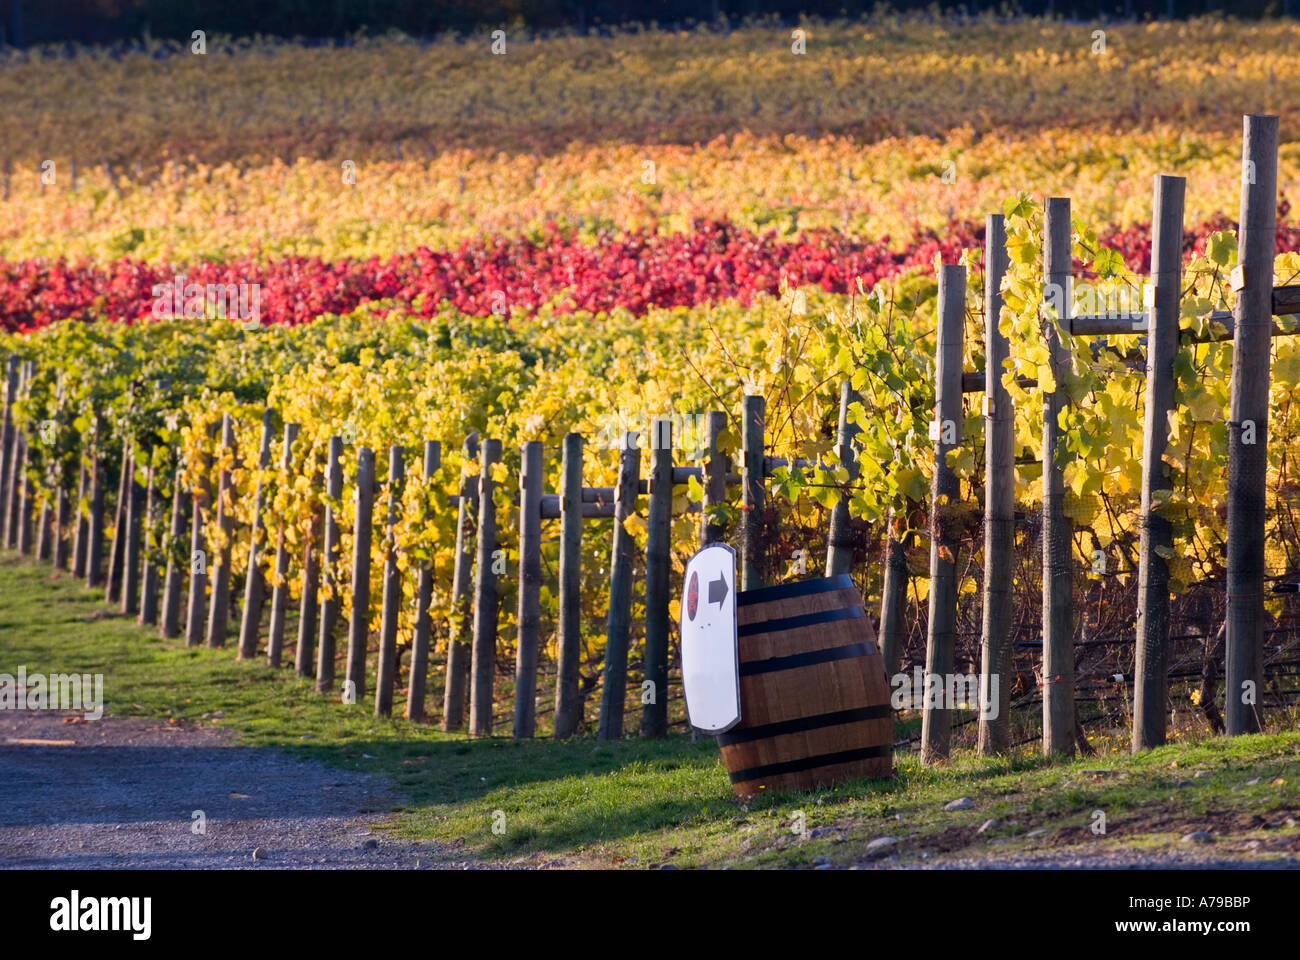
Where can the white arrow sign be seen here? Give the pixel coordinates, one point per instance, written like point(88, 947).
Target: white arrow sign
point(710, 651)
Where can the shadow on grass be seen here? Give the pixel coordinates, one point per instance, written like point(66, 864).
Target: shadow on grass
point(555, 796)
point(452, 771)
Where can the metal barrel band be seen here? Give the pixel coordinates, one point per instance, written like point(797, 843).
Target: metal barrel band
point(795, 661)
point(799, 588)
point(804, 620)
point(809, 763)
point(804, 724)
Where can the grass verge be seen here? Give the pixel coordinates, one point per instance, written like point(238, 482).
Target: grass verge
point(639, 803)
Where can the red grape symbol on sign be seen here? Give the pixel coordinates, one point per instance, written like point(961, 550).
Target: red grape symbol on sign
point(710, 654)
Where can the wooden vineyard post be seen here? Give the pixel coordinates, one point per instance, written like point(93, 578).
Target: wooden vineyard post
point(149, 566)
point(95, 522)
point(61, 547)
point(618, 621)
point(529, 614)
point(753, 489)
point(570, 627)
point(135, 503)
point(169, 624)
point(839, 545)
point(359, 622)
point(304, 664)
point(219, 607)
point(26, 496)
point(15, 458)
point(200, 498)
point(716, 467)
point(945, 430)
point(1150, 672)
point(14, 514)
point(43, 526)
point(82, 532)
point(483, 668)
point(658, 570)
point(280, 597)
point(255, 579)
point(999, 506)
point(1248, 425)
point(422, 634)
point(392, 589)
point(23, 487)
point(117, 549)
point(459, 654)
point(893, 598)
point(60, 511)
point(54, 503)
point(330, 606)
point(7, 432)
point(1058, 578)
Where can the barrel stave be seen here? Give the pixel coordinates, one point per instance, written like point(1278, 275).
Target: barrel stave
point(814, 697)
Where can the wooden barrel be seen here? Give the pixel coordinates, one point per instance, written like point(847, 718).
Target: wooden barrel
point(814, 700)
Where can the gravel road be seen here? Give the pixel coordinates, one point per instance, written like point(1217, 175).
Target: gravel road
point(123, 793)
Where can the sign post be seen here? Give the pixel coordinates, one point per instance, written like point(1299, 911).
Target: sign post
point(710, 647)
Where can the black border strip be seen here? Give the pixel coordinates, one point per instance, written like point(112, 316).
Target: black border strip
point(826, 655)
point(795, 623)
point(810, 763)
point(801, 588)
point(803, 724)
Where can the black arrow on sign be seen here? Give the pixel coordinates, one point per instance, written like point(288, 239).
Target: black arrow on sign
point(718, 591)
